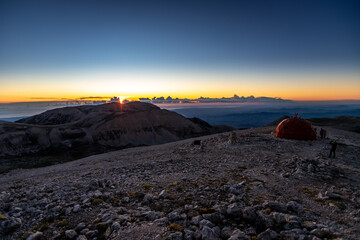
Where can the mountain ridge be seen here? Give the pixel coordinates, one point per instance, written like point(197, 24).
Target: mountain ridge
point(74, 132)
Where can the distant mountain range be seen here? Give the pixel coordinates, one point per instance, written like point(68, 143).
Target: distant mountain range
point(17, 110)
point(69, 133)
point(233, 99)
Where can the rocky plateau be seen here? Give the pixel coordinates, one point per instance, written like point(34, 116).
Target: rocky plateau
point(244, 184)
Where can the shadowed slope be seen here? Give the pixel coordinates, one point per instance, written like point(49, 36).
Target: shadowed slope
point(349, 123)
point(74, 132)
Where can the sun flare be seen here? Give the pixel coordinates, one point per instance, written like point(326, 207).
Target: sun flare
point(122, 98)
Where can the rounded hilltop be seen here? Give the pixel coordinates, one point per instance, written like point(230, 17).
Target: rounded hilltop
point(70, 133)
point(81, 113)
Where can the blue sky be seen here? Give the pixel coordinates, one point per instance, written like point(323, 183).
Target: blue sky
point(88, 33)
point(186, 36)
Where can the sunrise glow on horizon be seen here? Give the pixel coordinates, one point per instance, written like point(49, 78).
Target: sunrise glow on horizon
point(302, 87)
point(303, 51)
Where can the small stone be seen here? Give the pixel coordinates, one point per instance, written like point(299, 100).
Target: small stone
point(235, 198)
point(10, 224)
point(311, 168)
point(139, 195)
point(232, 138)
point(282, 218)
point(293, 234)
point(208, 233)
point(162, 221)
point(278, 217)
point(81, 237)
point(286, 175)
point(7, 207)
point(332, 195)
point(152, 215)
point(295, 207)
point(249, 214)
point(289, 218)
point(115, 226)
point(322, 196)
point(233, 209)
point(265, 220)
point(84, 231)
point(163, 194)
point(237, 235)
point(97, 194)
point(356, 200)
point(35, 236)
point(148, 198)
point(216, 217)
point(309, 225)
point(102, 226)
point(92, 233)
point(175, 236)
point(220, 209)
point(321, 232)
point(68, 211)
point(107, 195)
point(250, 231)
point(226, 232)
point(123, 218)
point(268, 235)
point(276, 206)
point(70, 234)
point(234, 190)
point(175, 215)
point(196, 220)
point(188, 234)
point(188, 207)
point(76, 208)
point(197, 235)
point(291, 225)
point(17, 209)
point(80, 227)
point(205, 222)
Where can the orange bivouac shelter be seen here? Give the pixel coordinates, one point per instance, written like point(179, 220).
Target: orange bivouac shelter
point(295, 128)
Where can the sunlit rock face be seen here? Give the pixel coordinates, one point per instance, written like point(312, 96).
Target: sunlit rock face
point(73, 132)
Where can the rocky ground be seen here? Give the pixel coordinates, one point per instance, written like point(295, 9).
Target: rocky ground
point(239, 185)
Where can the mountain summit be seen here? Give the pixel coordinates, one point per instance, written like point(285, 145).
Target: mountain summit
point(87, 113)
point(73, 132)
